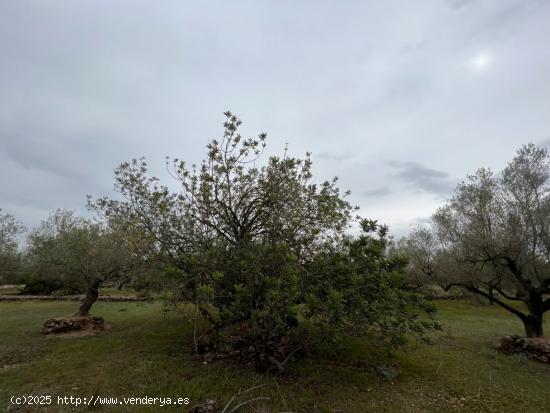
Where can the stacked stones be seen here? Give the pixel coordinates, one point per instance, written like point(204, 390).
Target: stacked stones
point(535, 348)
point(65, 324)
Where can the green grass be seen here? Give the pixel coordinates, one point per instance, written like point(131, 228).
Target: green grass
point(148, 353)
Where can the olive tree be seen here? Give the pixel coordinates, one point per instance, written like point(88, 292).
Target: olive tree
point(80, 255)
point(424, 252)
point(492, 238)
point(10, 255)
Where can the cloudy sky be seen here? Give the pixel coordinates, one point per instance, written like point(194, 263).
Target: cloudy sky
point(400, 99)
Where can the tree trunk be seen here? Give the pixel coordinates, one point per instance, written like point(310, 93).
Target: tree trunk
point(533, 322)
point(533, 326)
point(92, 294)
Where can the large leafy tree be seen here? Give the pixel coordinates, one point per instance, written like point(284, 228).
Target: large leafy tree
point(237, 234)
point(79, 254)
point(492, 238)
point(242, 235)
point(10, 255)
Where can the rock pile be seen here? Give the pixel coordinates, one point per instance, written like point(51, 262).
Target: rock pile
point(205, 406)
point(66, 324)
point(534, 348)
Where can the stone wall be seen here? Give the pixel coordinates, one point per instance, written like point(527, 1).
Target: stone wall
point(534, 348)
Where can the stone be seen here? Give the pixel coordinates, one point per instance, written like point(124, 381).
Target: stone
point(76, 323)
point(536, 348)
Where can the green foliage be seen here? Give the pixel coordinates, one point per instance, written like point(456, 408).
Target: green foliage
point(73, 254)
point(67, 250)
point(249, 294)
point(36, 285)
point(357, 288)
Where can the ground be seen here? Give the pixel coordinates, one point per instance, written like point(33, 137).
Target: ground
point(149, 353)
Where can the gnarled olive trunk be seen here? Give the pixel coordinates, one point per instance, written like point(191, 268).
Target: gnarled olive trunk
point(92, 294)
point(533, 326)
point(533, 321)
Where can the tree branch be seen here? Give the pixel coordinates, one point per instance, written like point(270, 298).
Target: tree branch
point(476, 290)
point(508, 297)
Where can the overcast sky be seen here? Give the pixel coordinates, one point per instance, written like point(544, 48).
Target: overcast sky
point(400, 99)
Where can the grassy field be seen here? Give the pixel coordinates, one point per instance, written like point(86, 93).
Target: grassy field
point(149, 353)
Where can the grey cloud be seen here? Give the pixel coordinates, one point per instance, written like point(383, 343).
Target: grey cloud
point(378, 192)
point(422, 178)
point(331, 157)
point(458, 4)
point(42, 154)
point(422, 221)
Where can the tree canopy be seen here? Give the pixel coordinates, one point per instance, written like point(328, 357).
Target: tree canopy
point(77, 254)
point(493, 237)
